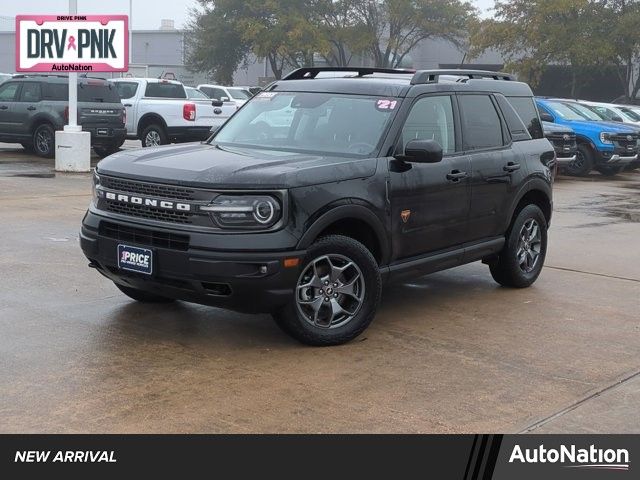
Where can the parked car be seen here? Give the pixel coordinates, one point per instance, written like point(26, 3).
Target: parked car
point(607, 147)
point(221, 113)
point(237, 95)
point(159, 111)
point(372, 182)
point(33, 107)
point(612, 113)
point(563, 139)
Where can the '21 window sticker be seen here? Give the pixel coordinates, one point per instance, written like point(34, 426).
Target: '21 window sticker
point(386, 104)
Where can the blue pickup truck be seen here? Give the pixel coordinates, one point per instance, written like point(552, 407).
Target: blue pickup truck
point(607, 147)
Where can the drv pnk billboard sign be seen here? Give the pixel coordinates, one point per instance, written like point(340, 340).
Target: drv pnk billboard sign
point(72, 43)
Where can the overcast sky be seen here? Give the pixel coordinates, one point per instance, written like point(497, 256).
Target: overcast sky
point(146, 13)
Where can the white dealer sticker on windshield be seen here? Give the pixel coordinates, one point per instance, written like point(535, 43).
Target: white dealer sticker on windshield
point(386, 104)
point(266, 95)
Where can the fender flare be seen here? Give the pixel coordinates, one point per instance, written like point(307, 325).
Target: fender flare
point(150, 115)
point(537, 184)
point(342, 212)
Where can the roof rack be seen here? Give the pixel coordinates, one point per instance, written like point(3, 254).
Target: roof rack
point(312, 72)
point(25, 75)
point(432, 76)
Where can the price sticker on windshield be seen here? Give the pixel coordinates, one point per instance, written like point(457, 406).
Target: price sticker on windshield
point(386, 104)
point(266, 95)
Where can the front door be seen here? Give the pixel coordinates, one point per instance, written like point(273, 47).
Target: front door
point(429, 202)
point(8, 96)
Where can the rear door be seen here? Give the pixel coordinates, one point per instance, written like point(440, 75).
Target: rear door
point(29, 104)
point(496, 169)
point(127, 92)
point(9, 91)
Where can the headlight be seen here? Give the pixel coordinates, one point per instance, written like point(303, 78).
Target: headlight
point(94, 183)
point(244, 211)
point(605, 137)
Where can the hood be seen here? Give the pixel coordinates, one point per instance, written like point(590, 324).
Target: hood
point(211, 166)
point(549, 127)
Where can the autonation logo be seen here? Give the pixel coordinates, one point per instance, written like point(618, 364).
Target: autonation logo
point(573, 457)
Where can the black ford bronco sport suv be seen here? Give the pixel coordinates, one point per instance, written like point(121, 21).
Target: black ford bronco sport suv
point(33, 107)
point(325, 186)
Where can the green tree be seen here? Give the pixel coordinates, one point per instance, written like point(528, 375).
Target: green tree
point(395, 27)
point(532, 34)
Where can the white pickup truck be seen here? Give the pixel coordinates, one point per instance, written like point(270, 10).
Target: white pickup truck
point(160, 112)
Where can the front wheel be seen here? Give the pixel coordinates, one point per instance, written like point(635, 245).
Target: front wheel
point(336, 296)
point(521, 260)
point(583, 163)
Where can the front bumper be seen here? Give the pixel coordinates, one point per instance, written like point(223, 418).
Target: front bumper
point(616, 158)
point(255, 282)
point(561, 161)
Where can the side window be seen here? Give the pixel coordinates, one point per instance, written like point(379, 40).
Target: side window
point(56, 91)
point(481, 126)
point(431, 118)
point(126, 89)
point(165, 90)
point(514, 122)
point(30, 92)
point(8, 92)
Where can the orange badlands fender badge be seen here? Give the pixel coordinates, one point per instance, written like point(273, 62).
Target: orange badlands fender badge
point(404, 215)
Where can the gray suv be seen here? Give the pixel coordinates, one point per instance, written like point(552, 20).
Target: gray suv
point(33, 107)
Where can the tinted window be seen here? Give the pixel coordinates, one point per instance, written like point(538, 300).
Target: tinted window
point(516, 128)
point(239, 94)
point(431, 118)
point(165, 90)
point(528, 113)
point(196, 94)
point(481, 127)
point(30, 92)
point(126, 89)
point(98, 92)
point(8, 92)
point(55, 91)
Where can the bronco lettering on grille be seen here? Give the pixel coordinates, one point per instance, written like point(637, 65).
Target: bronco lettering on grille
point(147, 202)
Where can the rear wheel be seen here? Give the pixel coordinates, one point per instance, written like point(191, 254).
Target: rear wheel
point(142, 296)
point(583, 163)
point(336, 296)
point(521, 260)
point(44, 140)
point(153, 136)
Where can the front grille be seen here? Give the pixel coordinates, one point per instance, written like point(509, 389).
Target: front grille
point(149, 189)
point(625, 142)
point(152, 213)
point(141, 236)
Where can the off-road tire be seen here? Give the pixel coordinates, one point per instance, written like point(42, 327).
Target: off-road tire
point(507, 269)
point(290, 318)
point(583, 164)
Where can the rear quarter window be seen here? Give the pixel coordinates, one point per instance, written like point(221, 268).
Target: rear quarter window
point(55, 91)
point(517, 129)
point(165, 90)
point(528, 113)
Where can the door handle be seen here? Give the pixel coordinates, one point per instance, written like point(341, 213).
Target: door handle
point(128, 104)
point(456, 175)
point(3, 107)
point(31, 108)
point(511, 167)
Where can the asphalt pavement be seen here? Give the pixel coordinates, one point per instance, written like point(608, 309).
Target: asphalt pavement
point(450, 352)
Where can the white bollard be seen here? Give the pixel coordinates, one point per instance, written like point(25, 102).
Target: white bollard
point(73, 151)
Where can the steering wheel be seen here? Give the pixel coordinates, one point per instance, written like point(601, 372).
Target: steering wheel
point(361, 148)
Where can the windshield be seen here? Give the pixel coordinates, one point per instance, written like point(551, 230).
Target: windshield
point(586, 112)
point(630, 114)
point(239, 94)
point(565, 112)
point(318, 123)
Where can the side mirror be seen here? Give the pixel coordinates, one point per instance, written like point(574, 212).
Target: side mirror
point(217, 103)
point(224, 99)
point(546, 117)
point(422, 151)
